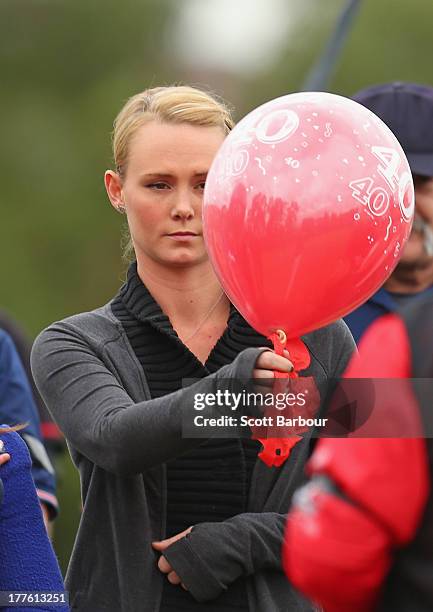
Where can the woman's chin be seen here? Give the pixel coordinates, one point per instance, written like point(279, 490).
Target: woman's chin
point(186, 260)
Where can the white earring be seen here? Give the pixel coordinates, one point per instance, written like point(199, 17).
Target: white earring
point(121, 209)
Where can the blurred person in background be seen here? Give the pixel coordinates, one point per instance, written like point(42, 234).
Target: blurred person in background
point(27, 560)
point(359, 535)
point(407, 109)
point(51, 434)
point(17, 406)
point(112, 379)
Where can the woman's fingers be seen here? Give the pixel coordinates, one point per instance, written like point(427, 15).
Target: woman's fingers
point(266, 374)
point(163, 565)
point(163, 544)
point(270, 361)
point(173, 578)
point(267, 363)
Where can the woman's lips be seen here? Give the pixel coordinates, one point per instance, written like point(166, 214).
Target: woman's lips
point(182, 236)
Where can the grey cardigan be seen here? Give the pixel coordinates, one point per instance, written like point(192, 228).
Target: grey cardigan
point(120, 439)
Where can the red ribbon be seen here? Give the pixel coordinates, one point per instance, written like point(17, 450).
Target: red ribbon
point(277, 450)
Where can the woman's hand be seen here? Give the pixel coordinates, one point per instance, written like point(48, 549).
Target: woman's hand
point(163, 565)
point(268, 362)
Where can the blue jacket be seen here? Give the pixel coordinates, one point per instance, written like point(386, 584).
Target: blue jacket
point(382, 302)
point(27, 559)
point(17, 406)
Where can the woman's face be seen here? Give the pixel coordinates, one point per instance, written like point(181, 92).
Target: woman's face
point(162, 190)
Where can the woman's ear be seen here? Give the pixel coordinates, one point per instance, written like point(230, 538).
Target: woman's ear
point(113, 185)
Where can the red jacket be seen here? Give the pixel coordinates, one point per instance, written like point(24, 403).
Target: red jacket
point(367, 495)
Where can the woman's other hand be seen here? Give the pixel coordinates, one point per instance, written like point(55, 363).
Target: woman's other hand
point(163, 565)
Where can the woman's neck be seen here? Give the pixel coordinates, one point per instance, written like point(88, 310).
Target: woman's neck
point(185, 294)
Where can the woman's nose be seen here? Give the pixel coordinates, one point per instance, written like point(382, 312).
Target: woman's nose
point(182, 207)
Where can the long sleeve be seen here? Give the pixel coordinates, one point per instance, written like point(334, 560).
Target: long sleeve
point(27, 559)
point(214, 555)
point(100, 419)
point(17, 406)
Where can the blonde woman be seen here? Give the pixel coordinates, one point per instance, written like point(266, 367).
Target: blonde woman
point(112, 379)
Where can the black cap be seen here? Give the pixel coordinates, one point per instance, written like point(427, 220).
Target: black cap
point(407, 109)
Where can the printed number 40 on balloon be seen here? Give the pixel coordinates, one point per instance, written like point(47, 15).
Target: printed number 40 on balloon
point(287, 121)
point(376, 199)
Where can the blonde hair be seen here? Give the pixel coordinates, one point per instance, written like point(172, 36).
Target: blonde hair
point(172, 104)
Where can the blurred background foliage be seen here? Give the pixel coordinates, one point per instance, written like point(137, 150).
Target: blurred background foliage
point(67, 67)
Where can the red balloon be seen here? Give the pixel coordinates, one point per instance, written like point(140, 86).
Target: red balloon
point(307, 207)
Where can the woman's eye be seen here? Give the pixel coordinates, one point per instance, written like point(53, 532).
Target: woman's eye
point(201, 185)
point(158, 186)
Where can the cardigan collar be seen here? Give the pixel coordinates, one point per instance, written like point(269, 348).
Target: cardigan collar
point(143, 306)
